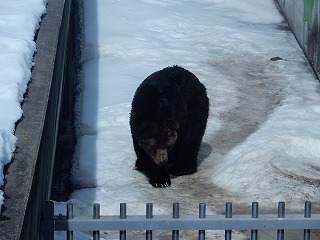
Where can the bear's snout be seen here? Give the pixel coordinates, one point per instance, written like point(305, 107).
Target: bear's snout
point(161, 157)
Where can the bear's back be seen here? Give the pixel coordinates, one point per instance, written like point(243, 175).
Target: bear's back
point(170, 78)
point(167, 93)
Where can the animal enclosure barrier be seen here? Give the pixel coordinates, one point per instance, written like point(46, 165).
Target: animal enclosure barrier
point(175, 222)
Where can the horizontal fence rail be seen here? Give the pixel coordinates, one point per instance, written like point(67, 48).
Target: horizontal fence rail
point(175, 222)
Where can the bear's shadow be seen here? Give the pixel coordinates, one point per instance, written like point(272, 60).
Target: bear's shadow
point(204, 152)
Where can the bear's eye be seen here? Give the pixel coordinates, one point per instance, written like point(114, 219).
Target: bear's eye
point(147, 143)
point(172, 138)
point(172, 134)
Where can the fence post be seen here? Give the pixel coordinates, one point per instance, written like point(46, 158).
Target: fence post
point(175, 215)
point(48, 224)
point(281, 214)
point(254, 214)
point(307, 214)
point(149, 215)
point(202, 214)
point(228, 215)
point(123, 215)
point(69, 216)
point(96, 215)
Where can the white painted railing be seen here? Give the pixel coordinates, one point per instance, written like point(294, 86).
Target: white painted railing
point(175, 222)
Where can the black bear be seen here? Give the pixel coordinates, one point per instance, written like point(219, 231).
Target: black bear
point(168, 118)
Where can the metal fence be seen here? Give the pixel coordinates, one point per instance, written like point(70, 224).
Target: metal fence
point(201, 222)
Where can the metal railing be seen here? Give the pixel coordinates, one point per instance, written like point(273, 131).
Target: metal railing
point(202, 222)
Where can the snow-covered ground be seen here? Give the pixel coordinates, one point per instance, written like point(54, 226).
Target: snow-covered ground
point(19, 20)
point(262, 142)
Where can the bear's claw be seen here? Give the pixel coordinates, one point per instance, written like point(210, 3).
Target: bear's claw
point(160, 184)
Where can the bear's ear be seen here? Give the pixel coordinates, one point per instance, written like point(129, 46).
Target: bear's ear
point(146, 125)
point(146, 128)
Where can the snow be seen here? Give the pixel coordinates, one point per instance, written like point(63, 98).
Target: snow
point(262, 139)
point(19, 20)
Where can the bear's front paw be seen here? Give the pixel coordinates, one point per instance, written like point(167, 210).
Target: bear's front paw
point(160, 181)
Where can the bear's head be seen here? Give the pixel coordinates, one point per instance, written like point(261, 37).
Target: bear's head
point(158, 138)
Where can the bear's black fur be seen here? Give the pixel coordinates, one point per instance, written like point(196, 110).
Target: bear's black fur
point(168, 118)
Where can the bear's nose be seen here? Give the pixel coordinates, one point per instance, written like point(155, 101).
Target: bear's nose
point(161, 157)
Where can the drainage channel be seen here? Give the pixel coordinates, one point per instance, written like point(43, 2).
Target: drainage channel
point(61, 184)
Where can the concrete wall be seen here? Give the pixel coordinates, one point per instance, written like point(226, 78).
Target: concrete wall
point(303, 17)
point(28, 178)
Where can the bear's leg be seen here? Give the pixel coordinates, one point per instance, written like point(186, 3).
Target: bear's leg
point(158, 175)
point(184, 159)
